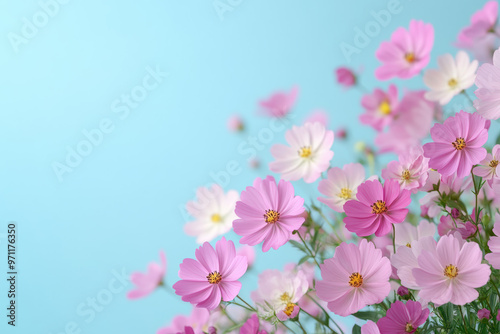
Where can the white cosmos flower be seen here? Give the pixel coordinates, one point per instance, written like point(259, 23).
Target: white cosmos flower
point(213, 212)
point(453, 76)
point(307, 156)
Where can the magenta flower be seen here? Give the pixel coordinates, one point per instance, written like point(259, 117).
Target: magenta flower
point(411, 170)
point(370, 328)
point(483, 313)
point(377, 207)
point(380, 107)
point(403, 318)
point(355, 277)
point(489, 169)
point(251, 326)
point(407, 53)
point(451, 272)
point(457, 144)
point(197, 321)
point(212, 276)
point(268, 212)
point(482, 22)
point(494, 244)
point(345, 77)
point(280, 103)
point(147, 282)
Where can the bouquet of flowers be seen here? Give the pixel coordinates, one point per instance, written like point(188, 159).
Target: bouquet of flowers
point(414, 249)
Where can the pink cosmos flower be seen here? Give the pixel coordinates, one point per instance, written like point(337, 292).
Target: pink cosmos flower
point(482, 49)
point(457, 144)
point(482, 22)
point(413, 123)
point(345, 77)
point(341, 185)
point(235, 123)
point(308, 155)
point(268, 212)
point(251, 326)
point(380, 107)
point(494, 244)
point(489, 168)
point(370, 328)
point(377, 207)
point(198, 321)
point(212, 276)
point(319, 116)
point(483, 313)
point(407, 53)
point(411, 171)
point(279, 292)
point(488, 92)
point(248, 252)
point(147, 282)
point(280, 103)
point(452, 272)
point(355, 277)
point(403, 318)
point(407, 233)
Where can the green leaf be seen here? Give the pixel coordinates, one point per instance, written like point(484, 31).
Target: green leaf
point(367, 315)
point(356, 329)
point(304, 259)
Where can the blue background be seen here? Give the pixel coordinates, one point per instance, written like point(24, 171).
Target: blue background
point(121, 204)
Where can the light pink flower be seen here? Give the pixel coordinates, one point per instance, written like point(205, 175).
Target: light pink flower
point(414, 120)
point(482, 22)
point(482, 49)
point(403, 318)
point(319, 116)
point(483, 313)
point(489, 168)
point(251, 326)
point(268, 212)
point(213, 211)
point(198, 320)
point(235, 123)
point(494, 244)
point(457, 144)
point(355, 277)
point(248, 252)
point(345, 77)
point(488, 89)
point(147, 282)
point(341, 185)
point(370, 328)
point(212, 276)
point(407, 233)
point(380, 107)
point(308, 155)
point(411, 170)
point(452, 272)
point(278, 293)
point(279, 104)
point(377, 207)
point(407, 53)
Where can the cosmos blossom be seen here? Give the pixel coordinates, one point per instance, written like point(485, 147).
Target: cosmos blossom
point(268, 212)
point(403, 318)
point(147, 282)
point(213, 276)
point(457, 144)
point(279, 104)
point(380, 107)
point(482, 22)
point(198, 320)
point(251, 326)
point(345, 77)
point(488, 89)
point(356, 276)
point(377, 207)
point(308, 155)
point(370, 328)
point(407, 53)
point(489, 168)
point(494, 244)
point(411, 170)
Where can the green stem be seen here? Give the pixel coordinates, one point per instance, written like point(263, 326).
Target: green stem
point(300, 325)
point(394, 238)
point(462, 314)
point(318, 320)
point(244, 302)
point(291, 330)
point(310, 251)
point(326, 313)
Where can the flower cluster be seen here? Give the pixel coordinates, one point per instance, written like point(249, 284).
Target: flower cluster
point(406, 239)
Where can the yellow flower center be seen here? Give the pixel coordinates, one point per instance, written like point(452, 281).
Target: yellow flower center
point(214, 277)
point(305, 151)
point(271, 216)
point(452, 83)
point(459, 144)
point(285, 297)
point(379, 207)
point(406, 175)
point(216, 218)
point(410, 57)
point(408, 245)
point(356, 280)
point(408, 328)
point(493, 163)
point(450, 271)
point(385, 108)
point(345, 193)
point(289, 309)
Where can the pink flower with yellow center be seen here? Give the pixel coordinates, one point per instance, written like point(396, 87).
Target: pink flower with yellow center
point(380, 107)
